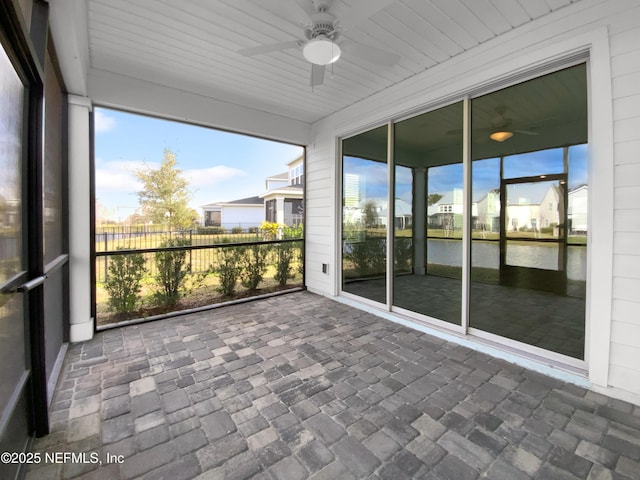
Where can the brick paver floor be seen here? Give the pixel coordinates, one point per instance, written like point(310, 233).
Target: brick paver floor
point(300, 386)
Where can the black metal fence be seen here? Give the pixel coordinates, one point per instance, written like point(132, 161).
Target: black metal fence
point(132, 282)
point(112, 238)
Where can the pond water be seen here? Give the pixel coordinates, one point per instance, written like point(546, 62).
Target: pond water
point(486, 254)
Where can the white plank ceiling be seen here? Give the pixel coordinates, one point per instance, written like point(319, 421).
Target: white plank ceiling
point(193, 45)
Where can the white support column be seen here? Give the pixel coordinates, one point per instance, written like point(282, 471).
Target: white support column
point(419, 219)
point(79, 220)
point(280, 210)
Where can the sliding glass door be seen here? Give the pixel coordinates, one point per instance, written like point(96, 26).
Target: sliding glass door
point(14, 333)
point(364, 215)
point(495, 246)
point(522, 287)
point(428, 185)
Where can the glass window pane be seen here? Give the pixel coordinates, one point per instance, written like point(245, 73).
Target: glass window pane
point(535, 210)
point(364, 214)
point(534, 163)
point(12, 314)
point(529, 188)
point(485, 232)
point(428, 190)
point(11, 123)
point(53, 184)
point(577, 221)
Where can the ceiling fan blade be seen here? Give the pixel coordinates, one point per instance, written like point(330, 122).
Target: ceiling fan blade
point(317, 74)
point(360, 11)
point(274, 47)
point(372, 54)
point(527, 132)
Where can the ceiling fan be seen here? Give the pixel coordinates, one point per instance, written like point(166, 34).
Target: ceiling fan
point(323, 41)
point(501, 127)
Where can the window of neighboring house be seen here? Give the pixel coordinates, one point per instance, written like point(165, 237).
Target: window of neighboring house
point(296, 175)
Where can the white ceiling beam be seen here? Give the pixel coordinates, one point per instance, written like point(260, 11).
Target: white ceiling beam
point(68, 23)
point(117, 91)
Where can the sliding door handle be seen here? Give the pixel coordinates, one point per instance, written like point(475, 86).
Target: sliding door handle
point(31, 284)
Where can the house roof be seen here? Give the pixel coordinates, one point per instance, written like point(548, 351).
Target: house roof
point(241, 201)
point(246, 201)
point(297, 159)
point(279, 176)
point(289, 189)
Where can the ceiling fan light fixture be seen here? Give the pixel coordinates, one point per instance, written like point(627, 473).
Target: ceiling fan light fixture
point(321, 51)
point(501, 136)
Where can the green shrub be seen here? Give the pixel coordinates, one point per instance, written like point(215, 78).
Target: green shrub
point(296, 231)
point(403, 254)
point(253, 265)
point(237, 230)
point(285, 255)
point(368, 257)
point(228, 269)
point(124, 281)
point(270, 230)
point(211, 230)
point(253, 230)
point(172, 271)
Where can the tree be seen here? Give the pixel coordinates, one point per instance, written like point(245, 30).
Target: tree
point(433, 198)
point(370, 214)
point(165, 195)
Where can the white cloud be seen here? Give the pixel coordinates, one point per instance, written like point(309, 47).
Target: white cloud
point(211, 176)
point(119, 175)
point(103, 123)
point(115, 179)
point(108, 180)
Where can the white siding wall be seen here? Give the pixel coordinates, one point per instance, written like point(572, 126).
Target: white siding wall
point(321, 219)
point(611, 31)
point(624, 32)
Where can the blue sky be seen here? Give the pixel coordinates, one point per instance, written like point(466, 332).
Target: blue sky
point(219, 166)
point(486, 173)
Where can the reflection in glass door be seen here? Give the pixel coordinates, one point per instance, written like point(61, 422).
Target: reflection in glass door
point(364, 215)
point(502, 236)
point(533, 237)
point(428, 214)
point(14, 372)
point(529, 185)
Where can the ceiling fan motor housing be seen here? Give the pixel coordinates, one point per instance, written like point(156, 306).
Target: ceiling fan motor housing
point(324, 26)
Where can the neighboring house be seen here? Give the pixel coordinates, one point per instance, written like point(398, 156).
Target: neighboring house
point(275, 181)
point(526, 212)
point(447, 212)
point(358, 215)
point(578, 209)
point(489, 212)
point(550, 213)
point(244, 212)
point(281, 203)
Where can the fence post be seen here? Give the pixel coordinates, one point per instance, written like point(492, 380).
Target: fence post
point(191, 251)
point(106, 245)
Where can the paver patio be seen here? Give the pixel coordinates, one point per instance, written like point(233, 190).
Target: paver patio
point(299, 386)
